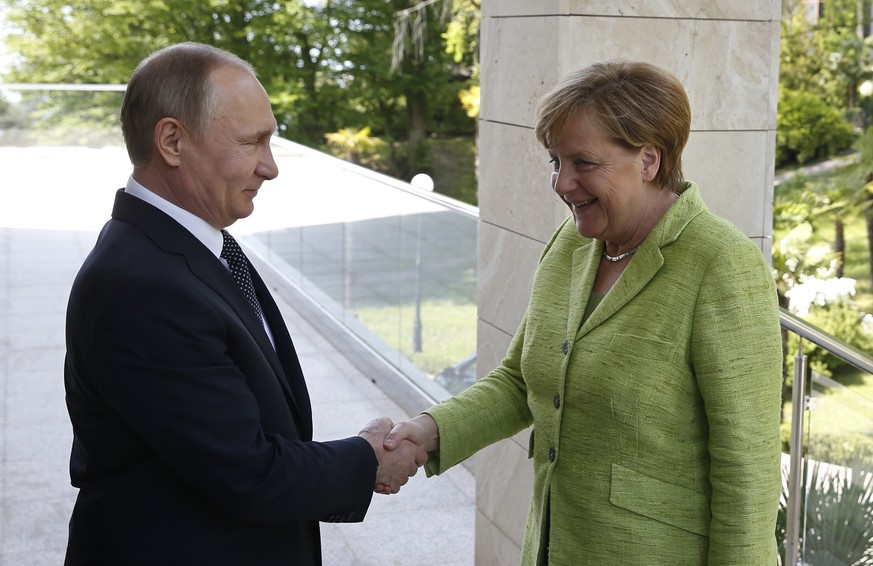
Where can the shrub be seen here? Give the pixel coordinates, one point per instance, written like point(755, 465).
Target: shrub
point(827, 303)
point(807, 128)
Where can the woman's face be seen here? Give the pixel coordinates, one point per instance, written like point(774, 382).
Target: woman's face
point(607, 186)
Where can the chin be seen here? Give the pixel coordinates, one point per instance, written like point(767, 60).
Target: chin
point(583, 230)
point(245, 210)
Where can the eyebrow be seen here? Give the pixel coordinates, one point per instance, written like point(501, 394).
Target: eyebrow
point(263, 134)
point(584, 155)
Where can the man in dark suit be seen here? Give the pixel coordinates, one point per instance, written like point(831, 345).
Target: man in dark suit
point(191, 419)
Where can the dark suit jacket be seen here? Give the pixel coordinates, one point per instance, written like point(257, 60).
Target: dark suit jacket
point(192, 434)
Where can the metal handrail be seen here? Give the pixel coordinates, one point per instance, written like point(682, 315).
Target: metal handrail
point(442, 201)
point(846, 353)
point(833, 345)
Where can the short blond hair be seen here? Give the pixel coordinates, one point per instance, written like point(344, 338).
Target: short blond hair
point(636, 103)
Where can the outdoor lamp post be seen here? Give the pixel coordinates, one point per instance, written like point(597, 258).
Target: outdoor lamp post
point(424, 182)
point(865, 89)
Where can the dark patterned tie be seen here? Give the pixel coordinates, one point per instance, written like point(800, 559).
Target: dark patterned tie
point(239, 268)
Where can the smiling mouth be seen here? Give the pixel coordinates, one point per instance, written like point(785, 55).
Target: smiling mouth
point(583, 203)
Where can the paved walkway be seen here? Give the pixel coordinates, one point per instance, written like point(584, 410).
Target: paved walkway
point(45, 233)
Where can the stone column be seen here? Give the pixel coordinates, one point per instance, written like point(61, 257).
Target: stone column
point(725, 53)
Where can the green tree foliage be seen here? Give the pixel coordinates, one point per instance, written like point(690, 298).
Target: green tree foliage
point(326, 65)
point(823, 60)
point(859, 191)
point(461, 35)
point(825, 55)
point(803, 259)
point(808, 128)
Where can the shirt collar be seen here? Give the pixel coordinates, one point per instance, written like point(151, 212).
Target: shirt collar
point(202, 230)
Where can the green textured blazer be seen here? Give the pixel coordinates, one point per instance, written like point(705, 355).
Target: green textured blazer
point(656, 422)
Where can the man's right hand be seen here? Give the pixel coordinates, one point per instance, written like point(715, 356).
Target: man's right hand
point(397, 465)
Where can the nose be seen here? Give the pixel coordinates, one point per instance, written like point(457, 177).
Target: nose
point(267, 167)
point(561, 183)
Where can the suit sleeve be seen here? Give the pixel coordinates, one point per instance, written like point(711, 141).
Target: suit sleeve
point(737, 359)
point(164, 361)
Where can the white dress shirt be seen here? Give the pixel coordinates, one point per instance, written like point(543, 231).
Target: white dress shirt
point(208, 235)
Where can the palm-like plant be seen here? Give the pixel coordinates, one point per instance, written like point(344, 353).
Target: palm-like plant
point(839, 517)
point(353, 142)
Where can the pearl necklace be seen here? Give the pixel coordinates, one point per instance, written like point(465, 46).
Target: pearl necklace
point(619, 257)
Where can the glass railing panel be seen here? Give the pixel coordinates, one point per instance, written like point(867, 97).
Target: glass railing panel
point(439, 295)
point(372, 284)
point(395, 265)
point(838, 510)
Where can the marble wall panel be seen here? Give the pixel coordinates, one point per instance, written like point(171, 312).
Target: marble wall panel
point(493, 547)
point(501, 469)
point(735, 176)
point(514, 174)
point(507, 262)
point(491, 347)
point(724, 65)
point(766, 247)
point(676, 9)
point(522, 58)
point(514, 8)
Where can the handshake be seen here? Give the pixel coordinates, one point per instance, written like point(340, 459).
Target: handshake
point(400, 449)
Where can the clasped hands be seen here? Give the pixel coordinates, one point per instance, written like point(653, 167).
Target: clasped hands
point(400, 449)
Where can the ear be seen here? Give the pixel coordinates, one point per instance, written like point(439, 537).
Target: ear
point(651, 159)
point(169, 134)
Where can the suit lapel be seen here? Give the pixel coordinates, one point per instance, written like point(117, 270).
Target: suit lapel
point(173, 238)
point(292, 377)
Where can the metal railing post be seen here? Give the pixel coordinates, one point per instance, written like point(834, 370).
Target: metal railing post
point(795, 476)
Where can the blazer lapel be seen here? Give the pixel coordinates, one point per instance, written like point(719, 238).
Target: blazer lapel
point(583, 272)
point(646, 262)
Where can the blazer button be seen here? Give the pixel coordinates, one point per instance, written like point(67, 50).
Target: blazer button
point(557, 400)
point(565, 347)
point(552, 454)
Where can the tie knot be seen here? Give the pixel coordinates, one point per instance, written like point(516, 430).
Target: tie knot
point(230, 249)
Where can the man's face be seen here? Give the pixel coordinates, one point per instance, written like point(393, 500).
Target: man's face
point(224, 170)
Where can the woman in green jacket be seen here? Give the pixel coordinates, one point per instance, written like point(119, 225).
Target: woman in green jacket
point(649, 357)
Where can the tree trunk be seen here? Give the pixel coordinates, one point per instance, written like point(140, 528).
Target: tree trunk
point(840, 245)
point(416, 108)
point(417, 154)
